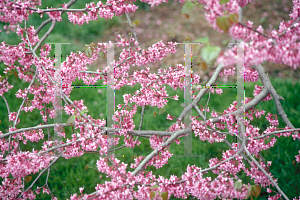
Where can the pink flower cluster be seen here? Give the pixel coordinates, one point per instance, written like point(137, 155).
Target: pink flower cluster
point(243, 3)
point(16, 11)
point(106, 12)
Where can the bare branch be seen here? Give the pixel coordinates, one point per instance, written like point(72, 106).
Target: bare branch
point(69, 4)
point(31, 128)
point(275, 132)
point(267, 84)
point(7, 106)
point(155, 152)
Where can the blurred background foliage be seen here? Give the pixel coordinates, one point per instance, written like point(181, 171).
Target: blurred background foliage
point(67, 175)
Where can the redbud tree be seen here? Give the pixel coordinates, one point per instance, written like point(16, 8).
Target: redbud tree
point(243, 57)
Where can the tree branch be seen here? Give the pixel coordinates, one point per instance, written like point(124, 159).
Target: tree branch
point(267, 83)
point(69, 4)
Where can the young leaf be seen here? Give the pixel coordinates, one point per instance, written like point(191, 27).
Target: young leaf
point(152, 195)
point(164, 195)
point(223, 1)
point(203, 65)
point(88, 52)
point(187, 38)
point(93, 45)
point(28, 178)
point(200, 6)
point(84, 111)
point(238, 185)
point(248, 192)
point(86, 167)
point(186, 16)
point(102, 54)
point(71, 119)
point(154, 114)
point(154, 186)
point(172, 34)
point(161, 111)
point(255, 190)
point(209, 53)
point(234, 18)
point(187, 7)
point(204, 40)
point(181, 79)
point(193, 57)
point(137, 22)
point(223, 23)
point(16, 74)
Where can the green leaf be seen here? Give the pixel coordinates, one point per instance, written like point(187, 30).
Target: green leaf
point(102, 54)
point(193, 57)
point(154, 114)
point(187, 38)
point(84, 111)
point(223, 23)
point(137, 22)
point(234, 18)
point(209, 53)
point(223, 1)
point(88, 52)
point(200, 6)
point(204, 40)
point(238, 185)
point(161, 111)
point(154, 186)
point(187, 7)
point(71, 119)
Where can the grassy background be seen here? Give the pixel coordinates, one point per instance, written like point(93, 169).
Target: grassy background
point(66, 176)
